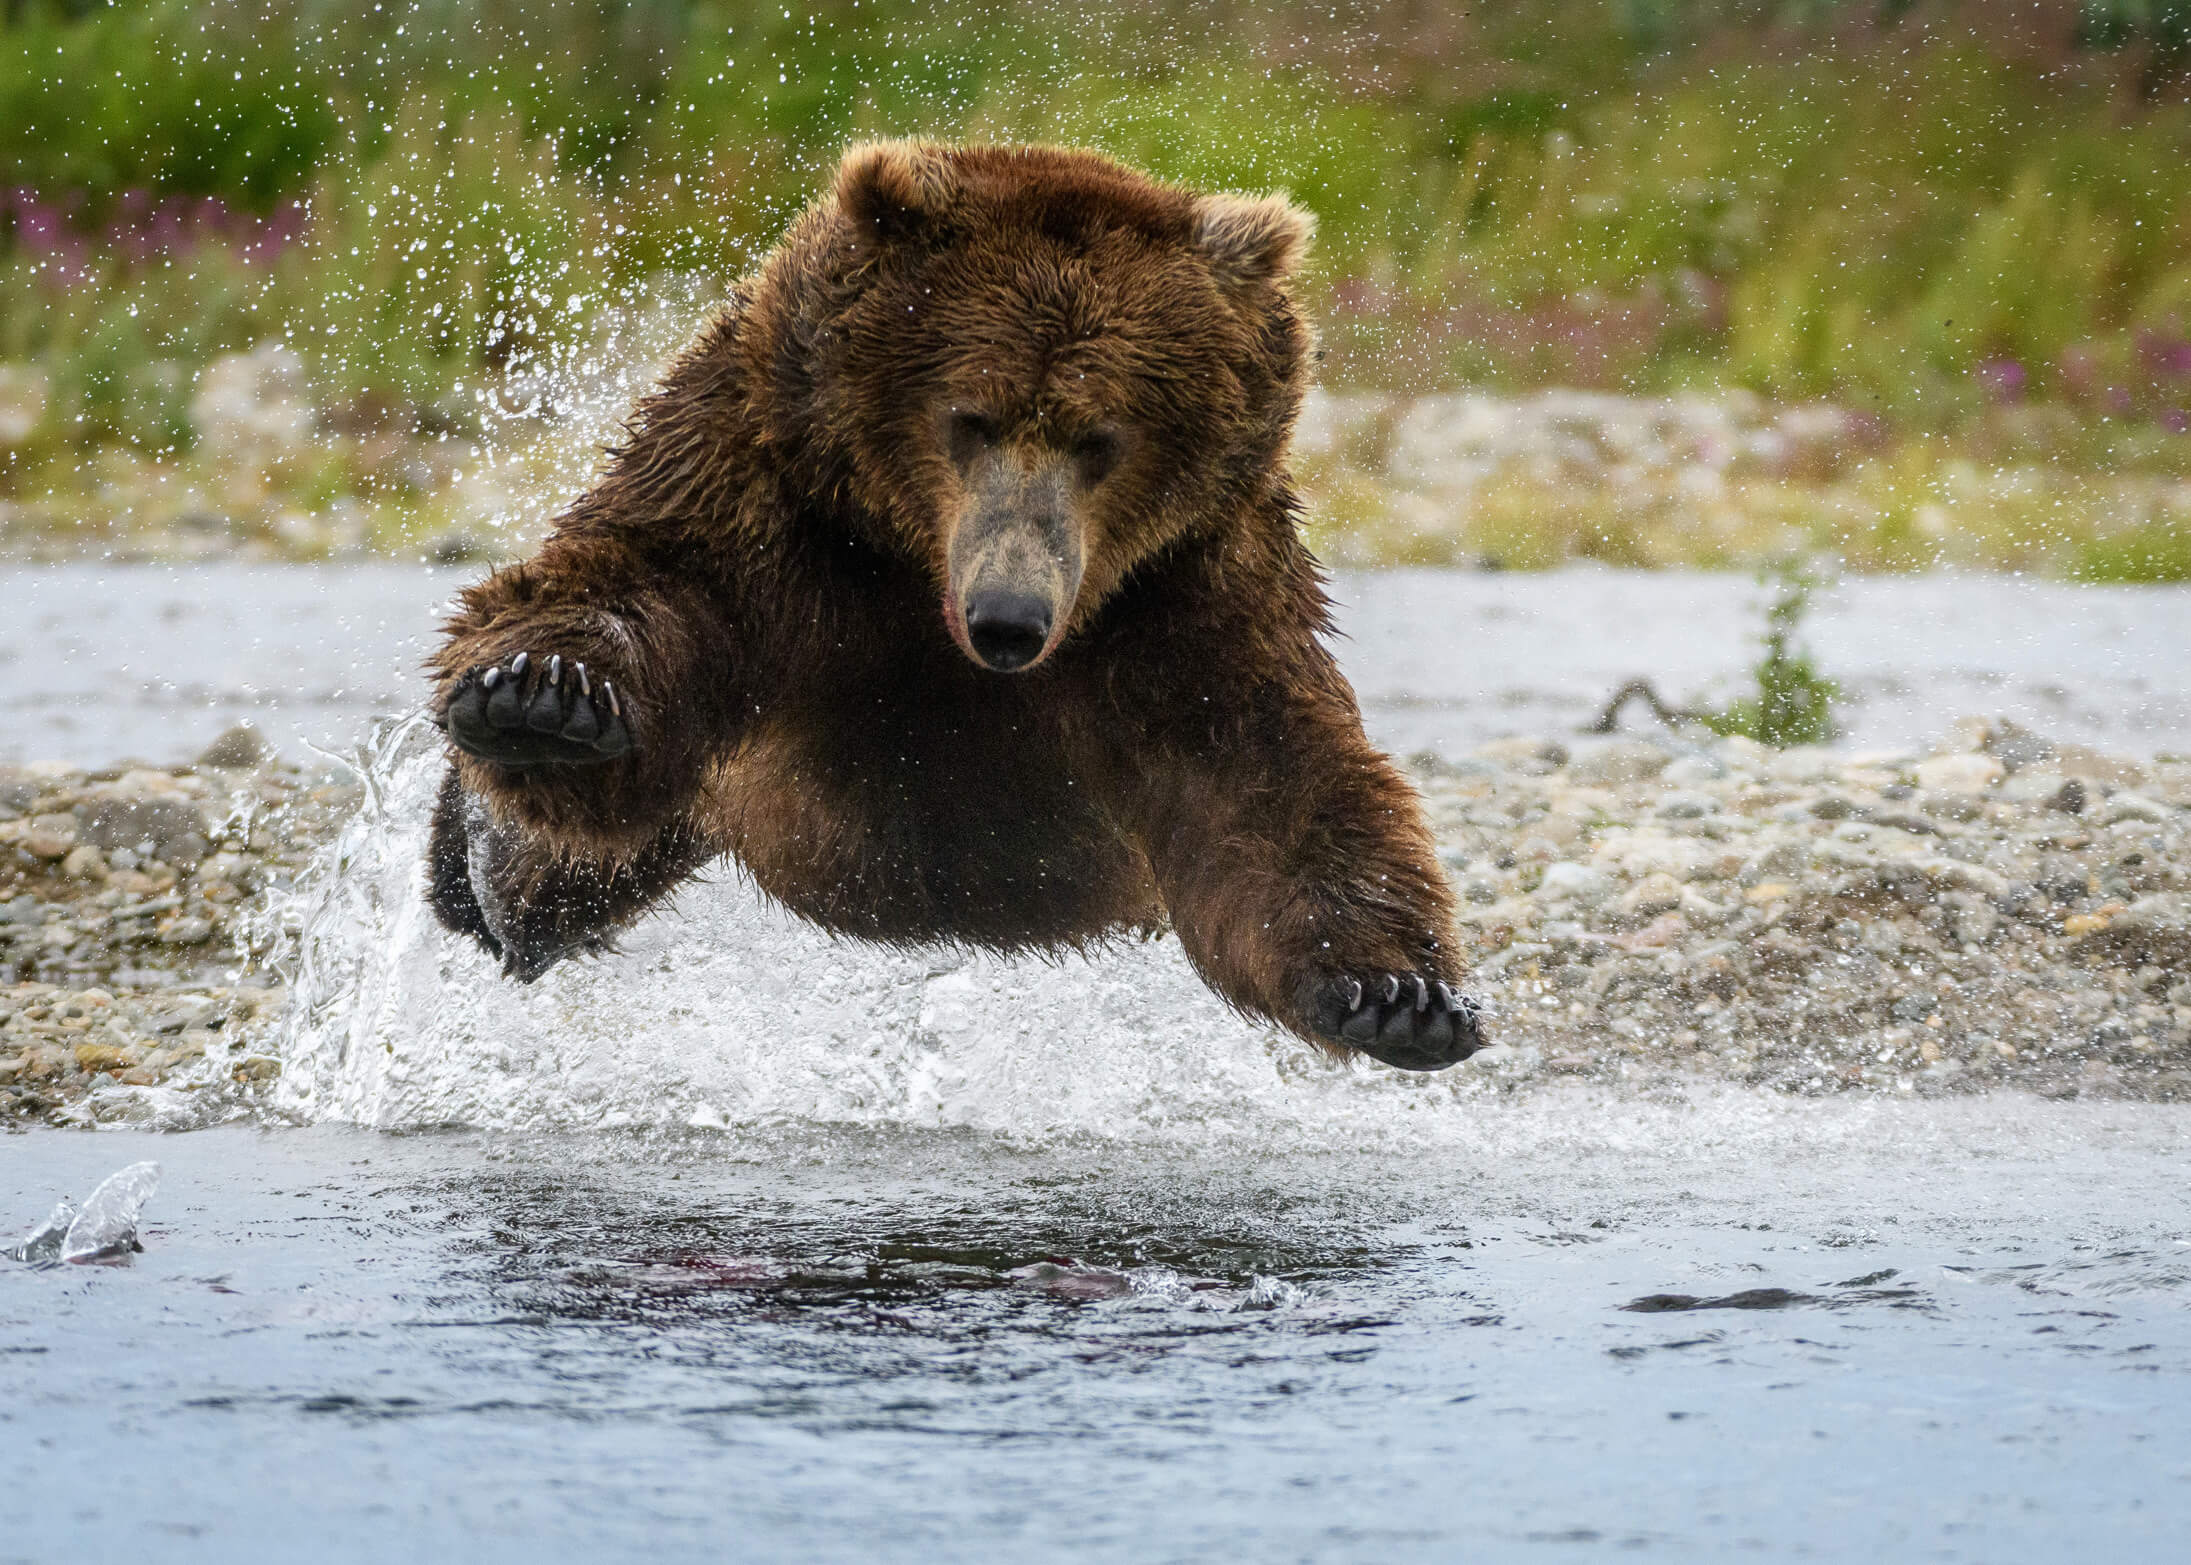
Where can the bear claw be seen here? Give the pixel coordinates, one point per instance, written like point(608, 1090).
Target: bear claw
point(1404, 1019)
point(495, 716)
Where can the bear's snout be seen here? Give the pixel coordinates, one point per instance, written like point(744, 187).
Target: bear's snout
point(1015, 558)
point(1008, 630)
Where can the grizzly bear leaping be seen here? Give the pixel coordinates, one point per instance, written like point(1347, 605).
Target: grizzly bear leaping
point(951, 583)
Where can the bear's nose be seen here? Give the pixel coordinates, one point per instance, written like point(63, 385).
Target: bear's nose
point(1008, 629)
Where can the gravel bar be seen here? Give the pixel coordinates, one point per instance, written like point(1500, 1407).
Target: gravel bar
point(127, 898)
point(2005, 910)
point(2002, 911)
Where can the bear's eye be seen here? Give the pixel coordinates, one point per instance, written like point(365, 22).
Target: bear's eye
point(969, 434)
point(1096, 454)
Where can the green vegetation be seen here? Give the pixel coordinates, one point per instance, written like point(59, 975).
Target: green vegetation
point(1794, 702)
point(2154, 552)
point(1929, 213)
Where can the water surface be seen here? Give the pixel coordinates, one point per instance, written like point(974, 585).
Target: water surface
point(1966, 1339)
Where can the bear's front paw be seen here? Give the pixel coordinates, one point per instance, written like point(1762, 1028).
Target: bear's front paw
point(1404, 1019)
point(538, 714)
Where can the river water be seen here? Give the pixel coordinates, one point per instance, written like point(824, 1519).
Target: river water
point(102, 662)
point(792, 1342)
point(755, 1245)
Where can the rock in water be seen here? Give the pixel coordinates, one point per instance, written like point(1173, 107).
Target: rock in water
point(106, 1229)
point(240, 747)
point(42, 1245)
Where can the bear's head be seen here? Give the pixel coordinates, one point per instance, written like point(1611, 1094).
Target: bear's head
point(1034, 370)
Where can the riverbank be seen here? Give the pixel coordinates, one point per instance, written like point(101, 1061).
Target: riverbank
point(127, 957)
point(1715, 480)
point(2006, 911)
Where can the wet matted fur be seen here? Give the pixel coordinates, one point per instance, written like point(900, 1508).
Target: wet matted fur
point(962, 356)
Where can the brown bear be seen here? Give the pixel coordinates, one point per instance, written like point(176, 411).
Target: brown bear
point(951, 583)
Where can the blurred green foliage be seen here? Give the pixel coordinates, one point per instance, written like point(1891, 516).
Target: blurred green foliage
point(2158, 551)
point(1925, 210)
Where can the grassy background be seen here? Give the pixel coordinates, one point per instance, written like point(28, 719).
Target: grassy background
point(1926, 212)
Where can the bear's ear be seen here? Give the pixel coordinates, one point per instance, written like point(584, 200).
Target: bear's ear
point(892, 188)
point(1251, 239)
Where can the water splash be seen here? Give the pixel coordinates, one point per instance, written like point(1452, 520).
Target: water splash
point(725, 1012)
point(42, 1245)
point(545, 424)
point(105, 1231)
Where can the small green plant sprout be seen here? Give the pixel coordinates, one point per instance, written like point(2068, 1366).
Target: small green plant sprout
point(1793, 703)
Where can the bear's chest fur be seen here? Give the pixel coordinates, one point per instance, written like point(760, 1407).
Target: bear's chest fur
point(902, 794)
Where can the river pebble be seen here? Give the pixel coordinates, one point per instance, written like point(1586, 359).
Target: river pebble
point(1823, 922)
point(128, 956)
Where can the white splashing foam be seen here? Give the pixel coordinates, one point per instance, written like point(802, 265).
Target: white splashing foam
point(727, 1011)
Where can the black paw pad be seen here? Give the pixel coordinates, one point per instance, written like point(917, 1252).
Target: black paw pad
point(535, 712)
point(1408, 1020)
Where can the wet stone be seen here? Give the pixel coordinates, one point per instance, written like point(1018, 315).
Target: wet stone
point(1526, 756)
point(2017, 748)
point(2136, 807)
point(50, 836)
point(1622, 761)
point(186, 931)
point(171, 830)
point(1959, 774)
point(242, 746)
point(1949, 806)
point(1689, 770)
point(105, 1056)
point(1574, 882)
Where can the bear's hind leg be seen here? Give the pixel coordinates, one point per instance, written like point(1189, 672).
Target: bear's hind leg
point(528, 905)
point(449, 868)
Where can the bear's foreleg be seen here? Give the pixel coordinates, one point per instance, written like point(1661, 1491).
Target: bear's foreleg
point(585, 692)
point(1303, 883)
